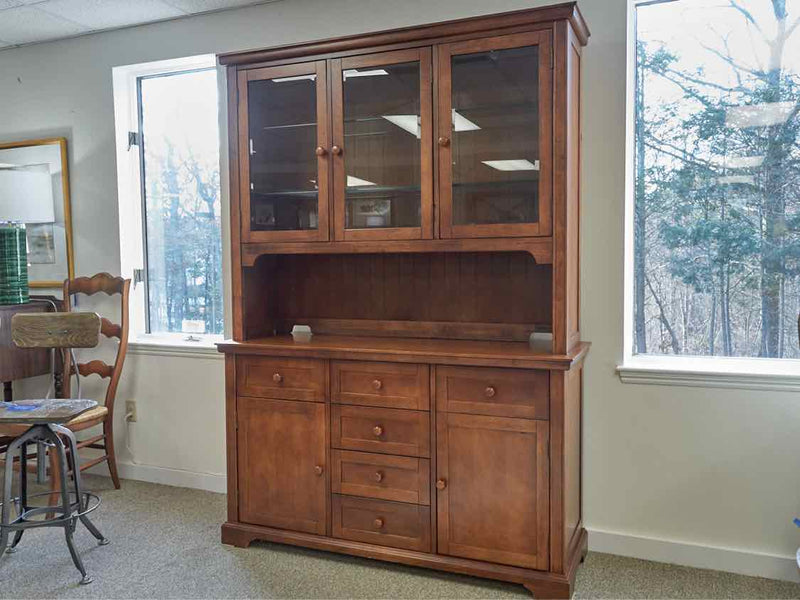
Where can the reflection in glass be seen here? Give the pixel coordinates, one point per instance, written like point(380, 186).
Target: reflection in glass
point(382, 140)
point(282, 115)
point(495, 137)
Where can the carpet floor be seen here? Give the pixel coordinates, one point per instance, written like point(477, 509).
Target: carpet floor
point(165, 544)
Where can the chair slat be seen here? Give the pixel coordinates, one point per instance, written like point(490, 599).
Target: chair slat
point(102, 282)
point(109, 329)
point(56, 330)
point(95, 367)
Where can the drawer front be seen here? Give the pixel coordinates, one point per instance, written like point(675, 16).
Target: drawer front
point(283, 378)
point(383, 430)
point(392, 524)
point(398, 478)
point(392, 385)
point(494, 392)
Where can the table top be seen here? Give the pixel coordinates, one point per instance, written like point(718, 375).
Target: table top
point(38, 412)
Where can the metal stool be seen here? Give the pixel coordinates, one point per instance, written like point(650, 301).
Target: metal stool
point(75, 504)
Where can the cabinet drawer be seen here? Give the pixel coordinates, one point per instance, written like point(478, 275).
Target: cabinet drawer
point(494, 392)
point(393, 524)
point(284, 378)
point(398, 478)
point(384, 430)
point(392, 385)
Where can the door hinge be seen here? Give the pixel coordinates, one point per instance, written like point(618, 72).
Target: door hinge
point(138, 276)
point(133, 139)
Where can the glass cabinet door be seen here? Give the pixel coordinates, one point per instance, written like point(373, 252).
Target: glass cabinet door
point(494, 136)
point(382, 136)
point(284, 153)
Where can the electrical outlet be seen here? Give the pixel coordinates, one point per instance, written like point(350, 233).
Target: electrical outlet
point(130, 411)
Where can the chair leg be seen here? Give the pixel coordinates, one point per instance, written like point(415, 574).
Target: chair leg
point(111, 457)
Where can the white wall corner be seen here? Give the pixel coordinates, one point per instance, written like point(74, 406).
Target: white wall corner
point(755, 564)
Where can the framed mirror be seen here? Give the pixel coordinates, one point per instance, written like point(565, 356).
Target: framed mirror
point(50, 257)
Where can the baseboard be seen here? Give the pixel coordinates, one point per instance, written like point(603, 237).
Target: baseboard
point(694, 555)
point(174, 477)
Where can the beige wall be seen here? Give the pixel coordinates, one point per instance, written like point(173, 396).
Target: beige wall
point(716, 468)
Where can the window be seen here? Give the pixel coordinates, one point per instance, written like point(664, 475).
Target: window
point(170, 210)
point(714, 242)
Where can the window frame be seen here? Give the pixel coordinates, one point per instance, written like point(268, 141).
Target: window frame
point(132, 232)
point(778, 374)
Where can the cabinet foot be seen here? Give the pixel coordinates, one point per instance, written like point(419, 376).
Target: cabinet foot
point(236, 537)
point(544, 590)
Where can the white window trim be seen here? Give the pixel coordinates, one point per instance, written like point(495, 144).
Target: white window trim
point(126, 118)
point(767, 374)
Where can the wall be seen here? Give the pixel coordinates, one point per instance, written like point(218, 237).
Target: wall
point(672, 473)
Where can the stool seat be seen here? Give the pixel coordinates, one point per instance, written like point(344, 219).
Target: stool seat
point(14, 429)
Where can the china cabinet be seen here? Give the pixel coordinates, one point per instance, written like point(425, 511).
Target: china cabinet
point(412, 196)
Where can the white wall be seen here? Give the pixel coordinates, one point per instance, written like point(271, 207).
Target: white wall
point(707, 469)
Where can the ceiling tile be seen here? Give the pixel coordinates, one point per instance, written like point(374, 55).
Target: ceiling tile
point(4, 4)
point(106, 14)
point(200, 6)
point(29, 24)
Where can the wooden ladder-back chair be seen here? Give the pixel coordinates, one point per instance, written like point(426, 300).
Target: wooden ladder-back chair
point(102, 414)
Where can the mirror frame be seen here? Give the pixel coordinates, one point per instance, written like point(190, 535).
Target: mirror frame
point(62, 143)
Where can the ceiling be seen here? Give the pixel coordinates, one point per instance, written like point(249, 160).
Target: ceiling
point(35, 21)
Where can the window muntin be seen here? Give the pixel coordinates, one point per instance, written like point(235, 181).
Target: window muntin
point(716, 168)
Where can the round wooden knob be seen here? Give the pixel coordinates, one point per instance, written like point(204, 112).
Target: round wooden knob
point(441, 484)
point(320, 151)
point(378, 476)
point(318, 469)
point(378, 523)
point(277, 378)
point(377, 430)
point(377, 384)
point(444, 141)
point(336, 150)
point(490, 391)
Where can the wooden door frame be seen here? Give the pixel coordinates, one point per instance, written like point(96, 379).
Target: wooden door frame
point(321, 234)
point(337, 66)
point(544, 226)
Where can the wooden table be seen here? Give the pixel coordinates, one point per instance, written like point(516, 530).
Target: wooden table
point(19, 363)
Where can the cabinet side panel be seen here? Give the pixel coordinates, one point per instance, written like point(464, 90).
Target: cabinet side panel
point(573, 189)
point(572, 454)
point(230, 433)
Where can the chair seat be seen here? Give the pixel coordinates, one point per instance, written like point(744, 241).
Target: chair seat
point(98, 413)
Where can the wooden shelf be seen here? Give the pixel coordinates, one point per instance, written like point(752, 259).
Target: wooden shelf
point(446, 352)
point(541, 248)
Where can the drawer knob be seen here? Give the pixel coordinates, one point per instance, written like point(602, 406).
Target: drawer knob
point(318, 470)
point(490, 391)
point(441, 484)
point(377, 430)
point(336, 150)
point(320, 151)
point(444, 141)
point(277, 378)
point(378, 523)
point(377, 384)
point(378, 476)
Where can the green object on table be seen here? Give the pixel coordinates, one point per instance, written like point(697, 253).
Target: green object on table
point(13, 265)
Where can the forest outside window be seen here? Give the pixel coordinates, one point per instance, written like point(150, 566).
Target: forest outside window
point(715, 154)
point(170, 208)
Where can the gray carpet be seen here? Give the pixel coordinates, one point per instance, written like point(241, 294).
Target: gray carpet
point(165, 544)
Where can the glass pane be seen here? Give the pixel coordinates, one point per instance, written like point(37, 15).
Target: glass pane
point(182, 202)
point(716, 168)
point(283, 166)
point(495, 137)
point(382, 146)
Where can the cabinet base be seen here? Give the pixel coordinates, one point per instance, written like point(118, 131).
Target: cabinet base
point(541, 584)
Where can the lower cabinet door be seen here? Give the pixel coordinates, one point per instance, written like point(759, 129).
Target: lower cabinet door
point(281, 460)
point(493, 489)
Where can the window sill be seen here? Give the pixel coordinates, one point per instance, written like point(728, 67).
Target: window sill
point(153, 345)
point(713, 372)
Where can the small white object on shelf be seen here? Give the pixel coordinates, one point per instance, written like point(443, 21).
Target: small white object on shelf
point(302, 333)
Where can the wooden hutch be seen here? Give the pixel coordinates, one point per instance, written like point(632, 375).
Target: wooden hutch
point(413, 197)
